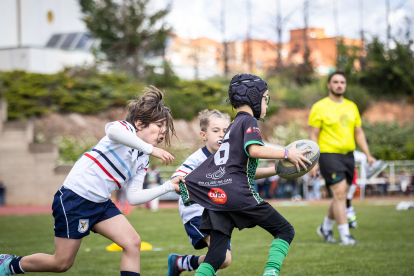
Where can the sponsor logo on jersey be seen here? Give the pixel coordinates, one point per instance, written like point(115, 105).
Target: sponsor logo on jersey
point(217, 174)
point(217, 195)
point(256, 129)
point(344, 120)
point(140, 167)
point(83, 225)
point(249, 130)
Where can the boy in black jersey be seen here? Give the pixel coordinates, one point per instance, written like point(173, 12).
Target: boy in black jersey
point(224, 183)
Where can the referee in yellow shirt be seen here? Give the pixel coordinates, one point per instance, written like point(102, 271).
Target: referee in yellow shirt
point(335, 124)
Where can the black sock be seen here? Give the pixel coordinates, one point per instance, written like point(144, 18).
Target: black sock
point(129, 273)
point(348, 203)
point(15, 267)
point(194, 262)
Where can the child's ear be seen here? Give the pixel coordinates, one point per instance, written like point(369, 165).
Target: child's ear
point(203, 135)
point(138, 124)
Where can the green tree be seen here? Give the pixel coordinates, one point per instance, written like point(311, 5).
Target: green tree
point(128, 33)
point(389, 71)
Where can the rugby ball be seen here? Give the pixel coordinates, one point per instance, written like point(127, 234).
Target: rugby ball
point(287, 170)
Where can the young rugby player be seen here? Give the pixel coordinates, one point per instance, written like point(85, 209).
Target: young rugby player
point(224, 183)
point(213, 125)
point(83, 202)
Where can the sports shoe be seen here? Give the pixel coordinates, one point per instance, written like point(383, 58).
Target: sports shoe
point(327, 236)
point(348, 240)
point(353, 224)
point(5, 260)
point(172, 265)
point(350, 214)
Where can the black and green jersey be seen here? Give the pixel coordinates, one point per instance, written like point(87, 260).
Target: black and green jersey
point(225, 181)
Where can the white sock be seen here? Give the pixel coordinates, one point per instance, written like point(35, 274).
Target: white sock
point(184, 263)
point(327, 224)
point(343, 230)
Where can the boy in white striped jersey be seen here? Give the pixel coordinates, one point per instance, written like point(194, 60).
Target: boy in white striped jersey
point(83, 202)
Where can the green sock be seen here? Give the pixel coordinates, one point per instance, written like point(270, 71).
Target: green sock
point(278, 251)
point(205, 269)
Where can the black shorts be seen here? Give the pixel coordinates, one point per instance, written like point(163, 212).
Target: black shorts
point(226, 221)
point(335, 167)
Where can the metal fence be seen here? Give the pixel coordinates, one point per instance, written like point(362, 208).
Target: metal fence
point(393, 169)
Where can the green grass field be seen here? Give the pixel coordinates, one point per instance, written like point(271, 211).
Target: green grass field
point(385, 236)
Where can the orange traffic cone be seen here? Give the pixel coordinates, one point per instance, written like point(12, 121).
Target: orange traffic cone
point(118, 205)
point(127, 208)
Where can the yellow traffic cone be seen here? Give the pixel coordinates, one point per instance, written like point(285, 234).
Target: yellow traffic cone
point(114, 247)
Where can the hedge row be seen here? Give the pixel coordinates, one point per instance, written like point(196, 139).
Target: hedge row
point(31, 94)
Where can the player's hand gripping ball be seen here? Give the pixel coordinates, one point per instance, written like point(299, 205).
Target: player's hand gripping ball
point(287, 170)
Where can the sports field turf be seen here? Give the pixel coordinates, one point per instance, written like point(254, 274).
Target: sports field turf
point(385, 236)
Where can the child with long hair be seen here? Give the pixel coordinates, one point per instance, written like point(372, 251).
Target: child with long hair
point(83, 202)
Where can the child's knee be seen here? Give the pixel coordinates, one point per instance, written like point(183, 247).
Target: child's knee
point(287, 234)
point(63, 266)
point(227, 261)
point(133, 244)
point(291, 233)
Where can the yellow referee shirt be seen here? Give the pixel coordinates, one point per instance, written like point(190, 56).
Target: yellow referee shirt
point(337, 122)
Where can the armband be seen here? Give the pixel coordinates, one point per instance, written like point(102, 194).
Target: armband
point(286, 154)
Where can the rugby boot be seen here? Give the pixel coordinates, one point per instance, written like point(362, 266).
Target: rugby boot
point(173, 269)
point(5, 260)
point(327, 236)
point(350, 214)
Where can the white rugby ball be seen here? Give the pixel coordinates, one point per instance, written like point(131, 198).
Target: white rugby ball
point(286, 169)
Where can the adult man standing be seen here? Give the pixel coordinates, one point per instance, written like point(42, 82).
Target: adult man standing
point(335, 124)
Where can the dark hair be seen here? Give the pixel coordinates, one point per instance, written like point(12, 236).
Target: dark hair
point(335, 73)
point(149, 108)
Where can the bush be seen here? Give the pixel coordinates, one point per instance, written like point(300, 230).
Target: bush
point(284, 135)
point(291, 95)
point(187, 98)
point(71, 148)
point(73, 90)
point(390, 141)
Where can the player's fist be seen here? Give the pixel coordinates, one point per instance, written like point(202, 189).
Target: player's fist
point(165, 156)
point(176, 182)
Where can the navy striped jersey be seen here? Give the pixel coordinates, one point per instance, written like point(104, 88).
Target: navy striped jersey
point(225, 181)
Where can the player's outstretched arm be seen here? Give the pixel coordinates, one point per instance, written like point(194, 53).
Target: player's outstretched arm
point(294, 155)
point(120, 134)
point(136, 195)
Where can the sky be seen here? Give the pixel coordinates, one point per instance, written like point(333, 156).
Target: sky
point(198, 18)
